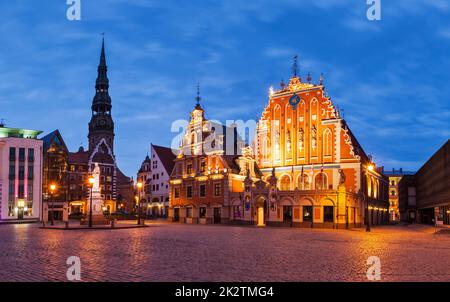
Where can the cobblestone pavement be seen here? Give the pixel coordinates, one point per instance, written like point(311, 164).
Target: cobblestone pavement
point(173, 252)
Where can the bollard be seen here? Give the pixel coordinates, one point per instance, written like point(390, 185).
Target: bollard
point(113, 223)
point(67, 224)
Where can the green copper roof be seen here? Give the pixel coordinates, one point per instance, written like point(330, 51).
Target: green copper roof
point(20, 133)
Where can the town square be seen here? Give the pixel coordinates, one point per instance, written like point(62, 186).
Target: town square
point(223, 141)
point(166, 252)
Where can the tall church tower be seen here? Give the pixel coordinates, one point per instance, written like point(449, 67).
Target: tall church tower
point(101, 125)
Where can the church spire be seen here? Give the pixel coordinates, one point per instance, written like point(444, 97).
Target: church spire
point(102, 78)
point(101, 124)
point(102, 55)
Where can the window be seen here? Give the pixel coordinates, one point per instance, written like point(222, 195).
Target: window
point(217, 190)
point(12, 154)
point(202, 212)
point(328, 214)
point(72, 168)
point(307, 213)
point(321, 181)
point(202, 190)
point(21, 154)
point(30, 172)
point(203, 166)
point(12, 171)
point(11, 192)
point(30, 191)
point(327, 142)
point(31, 155)
point(189, 212)
point(21, 191)
point(21, 172)
point(189, 192)
point(304, 182)
point(285, 183)
point(189, 169)
point(176, 193)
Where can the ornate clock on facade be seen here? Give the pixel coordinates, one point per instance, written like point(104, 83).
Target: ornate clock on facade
point(294, 101)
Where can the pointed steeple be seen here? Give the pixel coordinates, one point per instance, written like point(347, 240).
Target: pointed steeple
point(102, 55)
point(102, 82)
point(101, 124)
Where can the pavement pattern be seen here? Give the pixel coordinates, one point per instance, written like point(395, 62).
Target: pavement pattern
point(175, 252)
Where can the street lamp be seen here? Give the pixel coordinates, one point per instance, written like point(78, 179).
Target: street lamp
point(91, 182)
point(139, 186)
point(52, 191)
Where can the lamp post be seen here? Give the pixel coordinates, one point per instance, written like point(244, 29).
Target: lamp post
point(370, 168)
point(52, 191)
point(139, 186)
point(91, 182)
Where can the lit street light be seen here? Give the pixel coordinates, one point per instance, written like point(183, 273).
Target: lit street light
point(91, 182)
point(139, 186)
point(52, 191)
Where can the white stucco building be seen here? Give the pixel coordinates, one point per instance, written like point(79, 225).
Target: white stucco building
point(154, 174)
point(20, 174)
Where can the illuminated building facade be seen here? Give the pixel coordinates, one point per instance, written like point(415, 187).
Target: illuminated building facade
point(305, 169)
point(55, 172)
point(317, 171)
point(208, 172)
point(20, 174)
point(394, 179)
point(116, 189)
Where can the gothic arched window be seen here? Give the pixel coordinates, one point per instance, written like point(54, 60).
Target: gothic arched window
point(327, 143)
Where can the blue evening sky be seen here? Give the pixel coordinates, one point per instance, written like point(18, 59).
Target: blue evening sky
point(389, 76)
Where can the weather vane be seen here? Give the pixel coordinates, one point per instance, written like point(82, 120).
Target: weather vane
point(295, 66)
point(198, 98)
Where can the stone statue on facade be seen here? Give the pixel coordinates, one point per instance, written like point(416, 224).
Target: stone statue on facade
point(341, 177)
